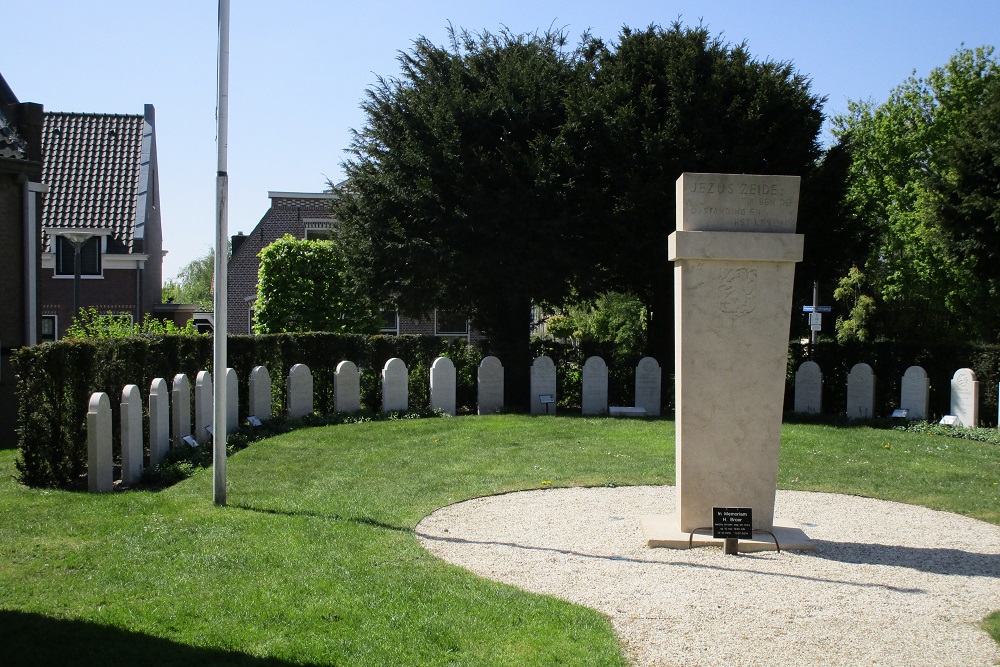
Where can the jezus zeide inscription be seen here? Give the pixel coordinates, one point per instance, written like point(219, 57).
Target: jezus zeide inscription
point(737, 203)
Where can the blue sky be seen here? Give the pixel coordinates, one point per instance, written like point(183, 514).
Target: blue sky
point(299, 69)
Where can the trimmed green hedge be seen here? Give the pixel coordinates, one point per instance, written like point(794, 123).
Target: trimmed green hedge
point(55, 381)
point(890, 360)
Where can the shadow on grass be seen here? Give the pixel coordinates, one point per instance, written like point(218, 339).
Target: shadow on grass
point(364, 521)
point(924, 559)
point(33, 639)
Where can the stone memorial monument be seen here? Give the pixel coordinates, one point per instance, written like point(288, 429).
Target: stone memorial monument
point(734, 255)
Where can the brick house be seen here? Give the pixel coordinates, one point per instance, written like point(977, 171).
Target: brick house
point(21, 190)
point(306, 215)
point(103, 208)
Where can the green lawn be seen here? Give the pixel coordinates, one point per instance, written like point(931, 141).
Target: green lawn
point(314, 560)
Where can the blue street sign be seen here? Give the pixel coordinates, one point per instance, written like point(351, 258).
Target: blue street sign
point(819, 309)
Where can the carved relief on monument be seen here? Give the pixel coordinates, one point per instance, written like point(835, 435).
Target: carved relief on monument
point(738, 290)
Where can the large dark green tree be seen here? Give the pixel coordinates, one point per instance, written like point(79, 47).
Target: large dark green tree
point(507, 169)
point(668, 101)
point(459, 190)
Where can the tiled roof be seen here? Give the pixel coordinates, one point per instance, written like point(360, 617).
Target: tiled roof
point(92, 166)
point(11, 145)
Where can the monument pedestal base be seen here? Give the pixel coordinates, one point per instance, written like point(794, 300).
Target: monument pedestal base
point(664, 531)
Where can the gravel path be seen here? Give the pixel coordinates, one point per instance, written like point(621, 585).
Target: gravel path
point(889, 584)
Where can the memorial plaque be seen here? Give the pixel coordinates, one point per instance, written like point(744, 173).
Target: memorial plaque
point(732, 523)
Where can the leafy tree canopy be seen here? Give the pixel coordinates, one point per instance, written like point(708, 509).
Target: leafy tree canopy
point(302, 286)
point(193, 283)
point(903, 162)
point(612, 317)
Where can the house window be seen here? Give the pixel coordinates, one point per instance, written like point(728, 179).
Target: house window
point(90, 257)
point(319, 234)
point(447, 323)
point(389, 322)
point(48, 333)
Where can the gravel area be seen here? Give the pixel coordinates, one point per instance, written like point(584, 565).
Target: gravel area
point(889, 584)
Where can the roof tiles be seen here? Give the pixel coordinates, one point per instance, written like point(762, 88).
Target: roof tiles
point(92, 165)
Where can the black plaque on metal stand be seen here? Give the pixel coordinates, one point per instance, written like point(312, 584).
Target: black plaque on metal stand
point(732, 524)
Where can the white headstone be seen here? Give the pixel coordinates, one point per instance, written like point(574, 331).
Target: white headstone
point(648, 386)
point(100, 469)
point(300, 391)
point(159, 421)
point(203, 413)
point(914, 393)
point(260, 393)
point(809, 388)
point(180, 401)
point(861, 392)
point(131, 434)
point(965, 397)
point(443, 385)
point(395, 387)
point(594, 396)
point(490, 385)
point(232, 401)
point(543, 386)
point(347, 388)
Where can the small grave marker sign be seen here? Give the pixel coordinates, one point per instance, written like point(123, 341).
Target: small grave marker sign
point(732, 523)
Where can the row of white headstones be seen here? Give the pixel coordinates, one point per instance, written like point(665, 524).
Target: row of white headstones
point(914, 394)
point(173, 429)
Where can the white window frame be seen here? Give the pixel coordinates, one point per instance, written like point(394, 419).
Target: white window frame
point(55, 329)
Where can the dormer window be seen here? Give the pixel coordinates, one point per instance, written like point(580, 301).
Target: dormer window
point(90, 256)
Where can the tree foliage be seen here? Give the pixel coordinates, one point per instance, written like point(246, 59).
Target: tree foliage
point(460, 183)
point(507, 169)
point(676, 100)
point(302, 286)
point(966, 199)
point(903, 160)
point(193, 283)
point(613, 317)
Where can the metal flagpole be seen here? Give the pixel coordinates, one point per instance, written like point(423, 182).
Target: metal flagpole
point(221, 251)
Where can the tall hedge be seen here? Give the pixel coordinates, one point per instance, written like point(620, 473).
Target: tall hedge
point(55, 381)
